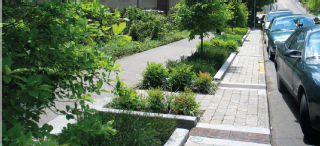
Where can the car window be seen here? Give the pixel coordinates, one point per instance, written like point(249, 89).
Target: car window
point(298, 41)
point(272, 15)
point(313, 50)
point(289, 40)
point(289, 23)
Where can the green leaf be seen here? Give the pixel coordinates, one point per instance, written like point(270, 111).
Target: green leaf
point(20, 70)
point(8, 61)
point(123, 100)
point(67, 107)
point(7, 79)
point(21, 78)
point(125, 37)
point(118, 29)
point(68, 116)
point(117, 12)
point(45, 88)
point(105, 28)
point(33, 93)
point(8, 70)
point(87, 96)
point(99, 84)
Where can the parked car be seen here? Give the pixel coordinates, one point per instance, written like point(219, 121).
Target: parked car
point(271, 15)
point(298, 69)
point(281, 27)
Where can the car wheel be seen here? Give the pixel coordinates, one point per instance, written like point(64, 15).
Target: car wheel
point(270, 55)
point(280, 85)
point(304, 117)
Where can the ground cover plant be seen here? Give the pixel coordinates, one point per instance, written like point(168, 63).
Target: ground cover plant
point(134, 130)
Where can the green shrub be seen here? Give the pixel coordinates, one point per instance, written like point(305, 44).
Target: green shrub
point(202, 65)
point(51, 52)
point(85, 129)
point(237, 30)
point(204, 84)
point(206, 44)
point(239, 14)
point(154, 76)
point(135, 130)
point(127, 98)
point(186, 103)
point(232, 45)
point(156, 100)
point(180, 77)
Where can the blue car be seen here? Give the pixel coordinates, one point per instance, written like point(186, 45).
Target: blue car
point(281, 27)
point(297, 63)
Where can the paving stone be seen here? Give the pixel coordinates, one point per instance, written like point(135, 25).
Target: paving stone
point(215, 117)
point(215, 122)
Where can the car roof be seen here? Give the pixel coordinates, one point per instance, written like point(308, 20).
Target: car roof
point(311, 28)
point(291, 15)
point(280, 11)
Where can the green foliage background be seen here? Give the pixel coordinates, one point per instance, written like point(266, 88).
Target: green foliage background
point(50, 52)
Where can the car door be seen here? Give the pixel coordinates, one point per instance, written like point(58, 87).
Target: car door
point(283, 67)
point(292, 71)
point(297, 63)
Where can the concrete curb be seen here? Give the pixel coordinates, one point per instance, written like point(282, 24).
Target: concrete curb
point(186, 122)
point(178, 137)
point(245, 36)
point(222, 71)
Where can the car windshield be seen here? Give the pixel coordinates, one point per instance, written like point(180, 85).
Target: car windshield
point(272, 15)
point(313, 51)
point(288, 23)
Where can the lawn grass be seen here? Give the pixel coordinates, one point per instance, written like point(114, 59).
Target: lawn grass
point(135, 130)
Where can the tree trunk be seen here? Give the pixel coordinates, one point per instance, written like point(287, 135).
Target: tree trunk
point(201, 36)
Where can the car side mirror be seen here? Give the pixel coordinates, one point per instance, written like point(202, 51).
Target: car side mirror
point(278, 42)
point(292, 53)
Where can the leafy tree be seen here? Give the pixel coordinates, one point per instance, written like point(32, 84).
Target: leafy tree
point(239, 14)
point(314, 5)
point(50, 52)
point(200, 18)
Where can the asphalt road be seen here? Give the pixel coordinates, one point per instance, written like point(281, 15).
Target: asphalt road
point(283, 109)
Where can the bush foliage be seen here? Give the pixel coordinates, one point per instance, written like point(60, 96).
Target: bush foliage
point(51, 52)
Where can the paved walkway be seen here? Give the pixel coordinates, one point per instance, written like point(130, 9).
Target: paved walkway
point(238, 113)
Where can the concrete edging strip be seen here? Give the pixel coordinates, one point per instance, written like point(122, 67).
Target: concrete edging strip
point(235, 128)
point(178, 137)
point(220, 142)
point(219, 75)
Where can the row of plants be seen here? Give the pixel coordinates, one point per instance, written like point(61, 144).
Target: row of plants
point(119, 48)
point(157, 101)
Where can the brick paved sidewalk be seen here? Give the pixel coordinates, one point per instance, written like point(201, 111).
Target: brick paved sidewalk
point(240, 101)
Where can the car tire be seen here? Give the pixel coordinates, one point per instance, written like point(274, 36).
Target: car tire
point(270, 55)
point(280, 84)
point(305, 118)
